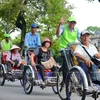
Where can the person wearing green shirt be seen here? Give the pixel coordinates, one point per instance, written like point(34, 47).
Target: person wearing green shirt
point(6, 44)
point(67, 33)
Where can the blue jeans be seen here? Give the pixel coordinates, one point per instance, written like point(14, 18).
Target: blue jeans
point(94, 72)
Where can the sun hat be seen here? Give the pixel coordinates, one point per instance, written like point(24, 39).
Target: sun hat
point(34, 26)
point(72, 18)
point(85, 32)
point(7, 35)
point(47, 40)
point(15, 47)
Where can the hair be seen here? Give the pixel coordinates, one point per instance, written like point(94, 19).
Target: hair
point(43, 44)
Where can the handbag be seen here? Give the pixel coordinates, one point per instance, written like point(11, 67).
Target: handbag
point(16, 63)
point(47, 64)
point(94, 59)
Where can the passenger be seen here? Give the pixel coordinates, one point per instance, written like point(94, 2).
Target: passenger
point(14, 59)
point(6, 44)
point(32, 39)
point(82, 55)
point(43, 54)
point(68, 33)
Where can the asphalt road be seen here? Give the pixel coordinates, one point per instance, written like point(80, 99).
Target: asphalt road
point(14, 91)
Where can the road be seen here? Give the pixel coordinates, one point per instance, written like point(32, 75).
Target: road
point(14, 91)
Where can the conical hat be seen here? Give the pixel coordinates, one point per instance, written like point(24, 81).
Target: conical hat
point(14, 47)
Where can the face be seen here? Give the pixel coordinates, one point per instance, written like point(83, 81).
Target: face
point(72, 24)
point(85, 38)
point(15, 50)
point(47, 44)
point(33, 30)
point(7, 38)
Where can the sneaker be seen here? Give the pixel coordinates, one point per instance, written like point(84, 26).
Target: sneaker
point(43, 85)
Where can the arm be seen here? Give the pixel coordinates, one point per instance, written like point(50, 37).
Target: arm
point(2, 42)
point(58, 28)
point(39, 41)
point(53, 61)
point(8, 58)
point(78, 34)
point(80, 57)
point(26, 41)
point(97, 55)
point(51, 57)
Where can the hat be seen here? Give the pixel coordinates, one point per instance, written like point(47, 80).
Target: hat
point(72, 18)
point(14, 47)
point(47, 40)
point(7, 35)
point(34, 26)
point(85, 32)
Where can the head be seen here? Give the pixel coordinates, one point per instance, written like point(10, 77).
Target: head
point(34, 28)
point(46, 43)
point(7, 37)
point(85, 37)
point(71, 22)
point(15, 49)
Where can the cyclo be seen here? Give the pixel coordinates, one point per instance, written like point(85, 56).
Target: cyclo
point(33, 78)
point(5, 75)
point(77, 85)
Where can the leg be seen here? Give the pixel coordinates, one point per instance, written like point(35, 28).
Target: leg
point(21, 67)
point(85, 69)
point(94, 73)
point(8, 66)
point(41, 71)
point(64, 66)
point(54, 70)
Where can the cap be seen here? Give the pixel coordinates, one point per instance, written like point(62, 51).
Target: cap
point(85, 32)
point(7, 35)
point(47, 40)
point(72, 18)
point(15, 47)
point(34, 26)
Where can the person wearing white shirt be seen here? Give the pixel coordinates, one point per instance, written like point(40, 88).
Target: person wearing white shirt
point(82, 55)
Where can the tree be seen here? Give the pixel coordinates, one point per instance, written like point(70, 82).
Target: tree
point(92, 0)
point(22, 13)
point(94, 30)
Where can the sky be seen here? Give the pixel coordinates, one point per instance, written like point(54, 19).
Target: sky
point(86, 13)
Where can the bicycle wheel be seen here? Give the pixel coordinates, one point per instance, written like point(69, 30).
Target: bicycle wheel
point(2, 75)
point(61, 86)
point(28, 80)
point(75, 85)
point(54, 88)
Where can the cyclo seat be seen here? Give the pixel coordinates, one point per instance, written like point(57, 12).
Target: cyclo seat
point(4, 55)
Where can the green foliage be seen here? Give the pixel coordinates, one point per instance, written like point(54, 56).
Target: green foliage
point(93, 29)
point(17, 40)
point(47, 13)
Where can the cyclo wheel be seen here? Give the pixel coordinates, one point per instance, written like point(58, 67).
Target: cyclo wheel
point(54, 88)
point(2, 75)
point(75, 85)
point(21, 82)
point(28, 80)
point(61, 85)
